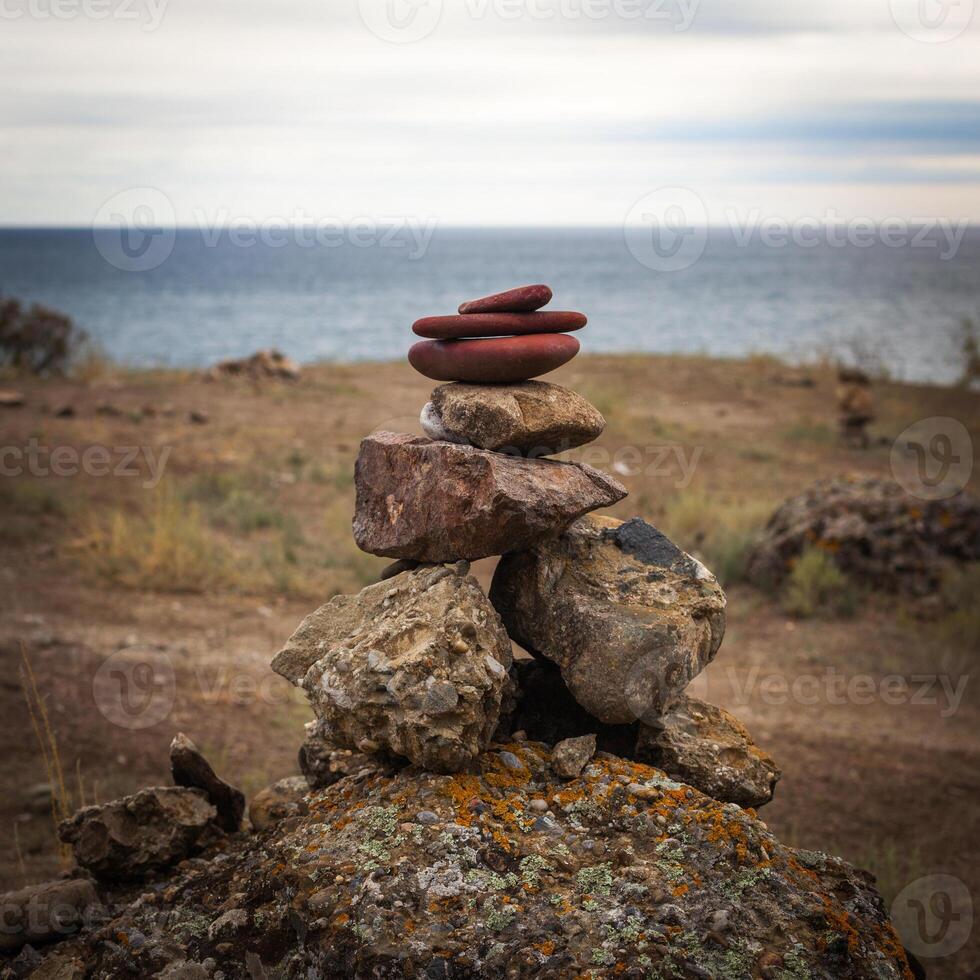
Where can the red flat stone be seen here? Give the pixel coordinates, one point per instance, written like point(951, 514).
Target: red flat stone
point(498, 324)
point(519, 300)
point(499, 360)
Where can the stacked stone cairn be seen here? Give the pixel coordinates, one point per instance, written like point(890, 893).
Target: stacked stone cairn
point(618, 620)
point(472, 815)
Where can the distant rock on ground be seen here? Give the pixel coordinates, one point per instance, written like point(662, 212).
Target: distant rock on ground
point(628, 617)
point(507, 871)
point(137, 835)
point(881, 536)
point(269, 363)
point(439, 502)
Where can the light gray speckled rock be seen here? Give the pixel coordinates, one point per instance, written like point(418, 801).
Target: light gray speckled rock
point(421, 672)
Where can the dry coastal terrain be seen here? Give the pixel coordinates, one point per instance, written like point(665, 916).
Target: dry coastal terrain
point(149, 594)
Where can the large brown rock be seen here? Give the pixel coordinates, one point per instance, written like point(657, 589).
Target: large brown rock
point(627, 616)
point(707, 747)
point(137, 835)
point(630, 875)
point(47, 913)
point(531, 419)
point(436, 502)
point(422, 674)
point(190, 768)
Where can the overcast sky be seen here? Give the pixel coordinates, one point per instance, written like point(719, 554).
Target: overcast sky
point(489, 111)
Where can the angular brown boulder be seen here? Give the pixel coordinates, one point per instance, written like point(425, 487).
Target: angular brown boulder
point(47, 913)
point(628, 617)
point(137, 835)
point(534, 418)
point(709, 748)
point(437, 502)
point(190, 768)
point(422, 674)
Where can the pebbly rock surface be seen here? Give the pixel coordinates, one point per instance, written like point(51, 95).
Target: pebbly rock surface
point(191, 769)
point(877, 533)
point(47, 913)
point(438, 502)
point(495, 360)
point(138, 835)
point(695, 742)
point(509, 871)
point(284, 798)
point(518, 299)
point(498, 324)
point(628, 617)
point(570, 756)
point(707, 747)
point(530, 419)
point(323, 763)
point(423, 674)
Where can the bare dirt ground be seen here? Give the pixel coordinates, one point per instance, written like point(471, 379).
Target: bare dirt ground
point(143, 610)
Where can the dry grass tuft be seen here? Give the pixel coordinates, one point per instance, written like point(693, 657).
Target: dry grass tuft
point(817, 587)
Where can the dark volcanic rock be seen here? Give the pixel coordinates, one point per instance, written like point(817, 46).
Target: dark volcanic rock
point(191, 769)
point(629, 875)
point(711, 749)
point(496, 360)
point(628, 617)
point(521, 298)
point(875, 532)
point(436, 502)
point(137, 835)
point(498, 324)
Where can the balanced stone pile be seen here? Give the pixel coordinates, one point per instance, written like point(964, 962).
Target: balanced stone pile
point(617, 618)
point(464, 814)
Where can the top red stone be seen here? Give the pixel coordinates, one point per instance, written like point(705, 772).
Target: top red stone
point(523, 299)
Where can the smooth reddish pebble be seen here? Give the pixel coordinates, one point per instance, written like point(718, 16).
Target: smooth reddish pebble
point(498, 324)
point(520, 300)
point(498, 360)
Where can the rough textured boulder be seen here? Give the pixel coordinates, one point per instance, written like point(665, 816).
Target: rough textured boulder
point(876, 532)
point(534, 418)
point(627, 616)
point(436, 502)
point(285, 798)
point(711, 749)
point(323, 764)
point(422, 673)
point(137, 835)
point(47, 913)
point(509, 871)
point(570, 757)
point(191, 769)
